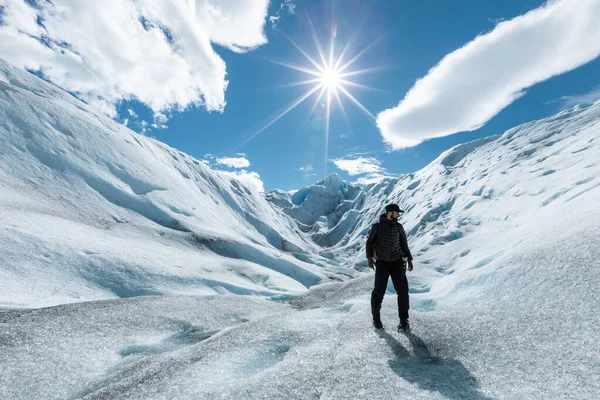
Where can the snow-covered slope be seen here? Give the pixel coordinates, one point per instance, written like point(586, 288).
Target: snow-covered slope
point(504, 295)
point(474, 191)
point(91, 210)
point(533, 335)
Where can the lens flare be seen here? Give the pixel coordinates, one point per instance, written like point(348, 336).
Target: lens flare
point(328, 79)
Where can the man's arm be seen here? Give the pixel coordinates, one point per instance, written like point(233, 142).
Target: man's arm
point(370, 243)
point(371, 240)
point(404, 243)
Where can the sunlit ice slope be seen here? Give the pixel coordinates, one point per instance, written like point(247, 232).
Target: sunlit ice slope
point(91, 210)
point(479, 200)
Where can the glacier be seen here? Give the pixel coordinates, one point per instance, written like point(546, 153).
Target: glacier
point(129, 269)
point(109, 213)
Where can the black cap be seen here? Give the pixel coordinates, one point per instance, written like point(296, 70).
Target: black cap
point(393, 207)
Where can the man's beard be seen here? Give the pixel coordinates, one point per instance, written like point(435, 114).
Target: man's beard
point(394, 219)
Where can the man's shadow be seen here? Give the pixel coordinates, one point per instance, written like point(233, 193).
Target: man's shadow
point(449, 377)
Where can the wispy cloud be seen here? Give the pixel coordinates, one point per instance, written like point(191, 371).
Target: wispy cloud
point(160, 120)
point(308, 170)
point(134, 122)
point(359, 165)
point(585, 98)
point(372, 178)
point(474, 83)
point(286, 6)
point(143, 127)
point(369, 167)
point(158, 52)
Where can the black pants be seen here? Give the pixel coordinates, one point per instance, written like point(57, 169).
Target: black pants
point(384, 270)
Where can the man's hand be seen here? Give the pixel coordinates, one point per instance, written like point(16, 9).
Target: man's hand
point(371, 263)
point(410, 265)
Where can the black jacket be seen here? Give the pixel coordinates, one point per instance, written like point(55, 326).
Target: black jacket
point(388, 240)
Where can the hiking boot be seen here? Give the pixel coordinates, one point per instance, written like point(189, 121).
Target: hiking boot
point(377, 324)
point(404, 326)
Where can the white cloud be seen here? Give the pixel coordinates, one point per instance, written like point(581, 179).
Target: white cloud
point(249, 179)
point(131, 113)
point(369, 167)
point(234, 162)
point(473, 84)
point(156, 51)
point(373, 178)
point(586, 98)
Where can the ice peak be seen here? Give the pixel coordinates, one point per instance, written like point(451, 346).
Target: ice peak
point(332, 180)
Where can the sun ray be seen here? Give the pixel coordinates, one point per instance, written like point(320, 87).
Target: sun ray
point(300, 83)
point(323, 89)
point(303, 52)
point(360, 71)
point(297, 68)
point(346, 48)
point(331, 47)
point(281, 114)
point(327, 121)
point(350, 83)
point(357, 102)
point(317, 42)
point(363, 51)
point(355, 34)
point(341, 105)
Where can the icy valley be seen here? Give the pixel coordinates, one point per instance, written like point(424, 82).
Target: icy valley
point(129, 269)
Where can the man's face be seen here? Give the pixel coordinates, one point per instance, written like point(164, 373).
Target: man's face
point(393, 214)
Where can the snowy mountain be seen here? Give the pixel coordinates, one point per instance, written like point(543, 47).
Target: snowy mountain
point(319, 207)
point(268, 293)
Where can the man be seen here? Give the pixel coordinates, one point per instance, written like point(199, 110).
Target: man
point(387, 244)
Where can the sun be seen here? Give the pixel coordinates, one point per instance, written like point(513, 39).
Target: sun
point(327, 75)
point(330, 78)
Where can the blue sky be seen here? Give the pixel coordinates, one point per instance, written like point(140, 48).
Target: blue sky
point(403, 39)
